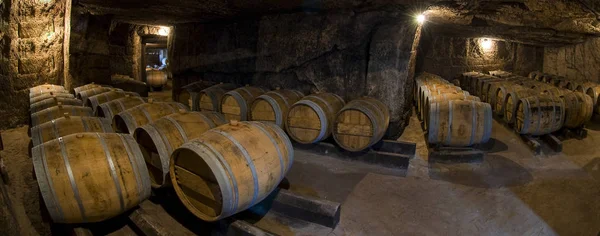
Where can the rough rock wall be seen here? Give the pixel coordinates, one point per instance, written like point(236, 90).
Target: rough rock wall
point(449, 56)
point(347, 53)
point(32, 53)
point(580, 61)
point(89, 49)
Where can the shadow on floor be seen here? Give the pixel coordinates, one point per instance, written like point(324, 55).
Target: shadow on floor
point(593, 168)
point(494, 171)
point(494, 146)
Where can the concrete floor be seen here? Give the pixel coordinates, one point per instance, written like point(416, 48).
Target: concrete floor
point(509, 192)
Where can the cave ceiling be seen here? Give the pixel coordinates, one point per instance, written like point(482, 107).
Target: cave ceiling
point(538, 22)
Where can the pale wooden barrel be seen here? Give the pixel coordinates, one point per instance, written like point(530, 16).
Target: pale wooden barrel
point(159, 139)
point(156, 78)
point(49, 95)
point(311, 119)
point(97, 100)
point(423, 82)
point(557, 92)
point(511, 100)
point(230, 168)
point(584, 86)
point(56, 112)
point(361, 123)
point(90, 177)
point(499, 103)
point(444, 97)
point(127, 121)
point(273, 106)
point(433, 90)
point(594, 93)
point(188, 93)
point(579, 109)
point(235, 104)
point(459, 123)
point(51, 102)
point(572, 85)
point(112, 108)
point(85, 87)
point(210, 99)
point(66, 125)
point(46, 88)
point(539, 115)
point(84, 95)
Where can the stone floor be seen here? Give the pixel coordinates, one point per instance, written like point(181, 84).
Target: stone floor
point(509, 192)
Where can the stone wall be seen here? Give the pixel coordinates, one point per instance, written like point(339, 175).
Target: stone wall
point(32, 39)
point(89, 58)
point(449, 56)
point(347, 53)
point(580, 61)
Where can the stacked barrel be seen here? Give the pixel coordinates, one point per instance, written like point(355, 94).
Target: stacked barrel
point(451, 116)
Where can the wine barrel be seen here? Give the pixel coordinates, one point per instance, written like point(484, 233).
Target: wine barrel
point(558, 81)
point(156, 78)
point(594, 93)
point(112, 108)
point(230, 168)
point(274, 106)
point(499, 103)
point(361, 123)
point(427, 84)
point(84, 95)
point(159, 139)
point(235, 104)
point(511, 100)
point(534, 74)
point(443, 97)
point(209, 99)
point(85, 87)
point(90, 177)
point(66, 125)
point(49, 95)
point(572, 85)
point(127, 121)
point(579, 109)
point(51, 102)
point(56, 112)
point(46, 88)
point(311, 119)
point(539, 115)
point(187, 92)
point(459, 123)
point(436, 90)
point(584, 86)
point(97, 100)
point(556, 92)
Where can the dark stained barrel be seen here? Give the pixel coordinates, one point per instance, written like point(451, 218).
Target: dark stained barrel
point(459, 123)
point(539, 115)
point(90, 177)
point(230, 168)
point(159, 139)
point(361, 123)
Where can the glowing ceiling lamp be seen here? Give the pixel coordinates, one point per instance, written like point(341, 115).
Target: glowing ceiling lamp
point(421, 18)
point(164, 31)
point(486, 44)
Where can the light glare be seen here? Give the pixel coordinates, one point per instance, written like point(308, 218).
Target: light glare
point(421, 18)
point(164, 31)
point(486, 44)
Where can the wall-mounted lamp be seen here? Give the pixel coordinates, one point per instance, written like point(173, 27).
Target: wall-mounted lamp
point(421, 18)
point(486, 44)
point(164, 31)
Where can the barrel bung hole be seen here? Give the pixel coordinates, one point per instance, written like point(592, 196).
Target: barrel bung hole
point(150, 153)
point(197, 184)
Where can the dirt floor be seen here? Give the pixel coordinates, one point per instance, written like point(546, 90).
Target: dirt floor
point(509, 192)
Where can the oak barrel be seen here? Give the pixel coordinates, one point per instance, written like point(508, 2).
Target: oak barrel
point(85, 87)
point(210, 99)
point(539, 115)
point(273, 106)
point(84, 95)
point(499, 103)
point(156, 78)
point(90, 177)
point(66, 125)
point(584, 86)
point(112, 108)
point(56, 112)
point(49, 95)
point(361, 123)
point(235, 104)
point(511, 100)
point(51, 102)
point(427, 91)
point(159, 139)
point(230, 168)
point(459, 123)
point(96, 100)
point(579, 109)
point(533, 74)
point(127, 121)
point(46, 88)
point(443, 97)
point(594, 93)
point(311, 119)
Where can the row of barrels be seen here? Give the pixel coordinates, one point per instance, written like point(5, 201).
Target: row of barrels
point(529, 106)
point(589, 88)
point(452, 117)
point(307, 119)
